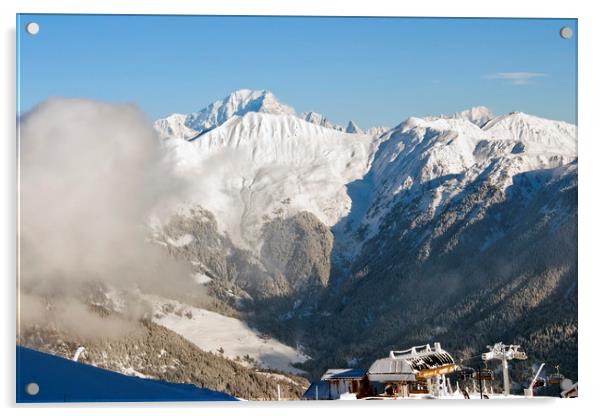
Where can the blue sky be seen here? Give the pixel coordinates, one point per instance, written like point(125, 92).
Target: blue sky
point(376, 71)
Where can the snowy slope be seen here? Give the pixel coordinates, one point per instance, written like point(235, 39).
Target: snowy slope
point(421, 150)
point(260, 166)
point(211, 331)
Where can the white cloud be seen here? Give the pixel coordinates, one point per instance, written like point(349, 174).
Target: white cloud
point(91, 174)
point(516, 78)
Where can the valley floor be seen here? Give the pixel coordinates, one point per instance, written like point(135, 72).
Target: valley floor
point(232, 337)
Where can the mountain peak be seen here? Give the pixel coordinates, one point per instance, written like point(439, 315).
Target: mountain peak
point(352, 127)
point(260, 101)
point(237, 103)
point(316, 118)
point(538, 135)
point(479, 115)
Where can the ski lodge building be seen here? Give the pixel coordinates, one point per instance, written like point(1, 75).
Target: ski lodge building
point(420, 369)
point(339, 381)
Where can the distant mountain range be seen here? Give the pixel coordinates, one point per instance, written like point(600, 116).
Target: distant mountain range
point(239, 103)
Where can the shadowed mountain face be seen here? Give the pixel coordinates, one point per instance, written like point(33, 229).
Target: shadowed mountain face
point(509, 274)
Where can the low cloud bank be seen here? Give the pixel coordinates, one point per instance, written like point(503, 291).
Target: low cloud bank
point(91, 174)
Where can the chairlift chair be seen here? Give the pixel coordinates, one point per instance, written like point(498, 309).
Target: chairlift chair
point(484, 374)
point(556, 378)
point(465, 373)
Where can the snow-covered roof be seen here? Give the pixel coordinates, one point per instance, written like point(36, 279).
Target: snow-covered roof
point(409, 364)
point(344, 374)
point(430, 361)
point(390, 370)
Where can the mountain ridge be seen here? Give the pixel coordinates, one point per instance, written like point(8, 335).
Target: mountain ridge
point(237, 104)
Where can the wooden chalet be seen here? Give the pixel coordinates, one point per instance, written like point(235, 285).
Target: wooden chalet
point(337, 382)
point(417, 370)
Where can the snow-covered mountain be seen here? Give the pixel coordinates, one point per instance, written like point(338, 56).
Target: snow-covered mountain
point(261, 166)
point(269, 163)
point(462, 233)
point(238, 103)
point(258, 161)
point(423, 208)
point(435, 159)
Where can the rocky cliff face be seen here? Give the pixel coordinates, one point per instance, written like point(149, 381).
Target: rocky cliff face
point(294, 257)
point(299, 248)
